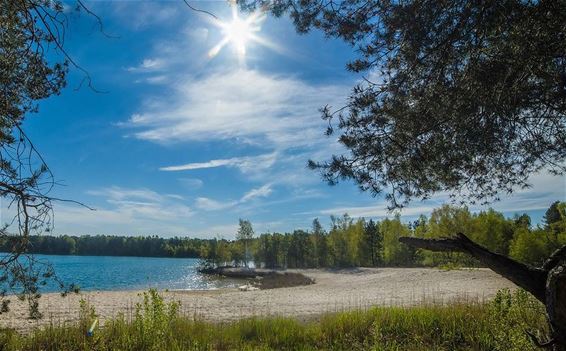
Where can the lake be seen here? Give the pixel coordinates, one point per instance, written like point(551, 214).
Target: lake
point(132, 273)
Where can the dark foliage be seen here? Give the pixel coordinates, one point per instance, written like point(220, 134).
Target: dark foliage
point(33, 66)
point(464, 97)
point(108, 245)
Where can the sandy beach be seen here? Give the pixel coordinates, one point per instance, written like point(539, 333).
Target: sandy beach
point(334, 290)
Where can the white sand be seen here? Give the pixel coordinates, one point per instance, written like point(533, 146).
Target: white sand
point(333, 291)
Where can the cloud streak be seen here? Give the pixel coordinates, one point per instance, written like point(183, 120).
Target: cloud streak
point(245, 164)
point(263, 191)
point(147, 65)
point(207, 204)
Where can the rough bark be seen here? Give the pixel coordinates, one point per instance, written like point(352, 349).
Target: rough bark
point(556, 304)
point(547, 283)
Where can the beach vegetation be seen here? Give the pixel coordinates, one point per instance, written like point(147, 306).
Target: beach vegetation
point(499, 324)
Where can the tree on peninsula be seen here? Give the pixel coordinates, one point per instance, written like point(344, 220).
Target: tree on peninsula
point(245, 234)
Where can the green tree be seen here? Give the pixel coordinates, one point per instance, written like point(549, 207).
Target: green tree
point(262, 253)
point(374, 241)
point(237, 252)
point(444, 222)
point(555, 225)
point(356, 245)
point(223, 252)
point(338, 240)
point(560, 226)
point(396, 253)
point(299, 254)
point(523, 220)
point(320, 245)
point(528, 247)
point(552, 215)
point(420, 227)
point(492, 230)
point(245, 234)
point(283, 244)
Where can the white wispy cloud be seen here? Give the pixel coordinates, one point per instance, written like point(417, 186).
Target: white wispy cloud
point(208, 204)
point(191, 183)
point(122, 221)
point(125, 211)
point(245, 164)
point(379, 210)
point(143, 203)
point(142, 14)
point(147, 65)
point(115, 193)
point(160, 79)
point(263, 191)
point(545, 189)
point(282, 167)
point(271, 111)
point(224, 231)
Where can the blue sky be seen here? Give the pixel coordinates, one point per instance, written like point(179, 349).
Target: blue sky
point(181, 143)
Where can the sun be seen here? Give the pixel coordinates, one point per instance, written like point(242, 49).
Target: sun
point(238, 32)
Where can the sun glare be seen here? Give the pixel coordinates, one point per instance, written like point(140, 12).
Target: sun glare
point(238, 32)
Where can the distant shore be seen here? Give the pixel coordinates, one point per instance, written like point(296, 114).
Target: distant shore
point(334, 290)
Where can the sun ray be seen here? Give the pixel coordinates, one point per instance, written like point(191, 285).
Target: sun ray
point(216, 49)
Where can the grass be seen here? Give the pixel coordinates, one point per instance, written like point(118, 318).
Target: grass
point(450, 266)
point(156, 325)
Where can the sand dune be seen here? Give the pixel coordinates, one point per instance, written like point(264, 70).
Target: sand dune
point(335, 290)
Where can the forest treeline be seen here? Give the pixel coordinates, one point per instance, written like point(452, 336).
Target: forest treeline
point(111, 245)
point(358, 242)
point(347, 242)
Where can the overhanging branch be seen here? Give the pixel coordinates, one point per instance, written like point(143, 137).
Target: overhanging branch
point(554, 259)
point(529, 278)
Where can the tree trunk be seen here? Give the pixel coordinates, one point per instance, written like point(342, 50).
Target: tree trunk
point(547, 284)
point(556, 304)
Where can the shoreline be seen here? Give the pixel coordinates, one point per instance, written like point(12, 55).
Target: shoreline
point(333, 291)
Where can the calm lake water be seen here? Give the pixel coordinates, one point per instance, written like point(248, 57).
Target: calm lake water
point(132, 273)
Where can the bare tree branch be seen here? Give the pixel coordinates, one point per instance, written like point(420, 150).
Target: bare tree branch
point(199, 10)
